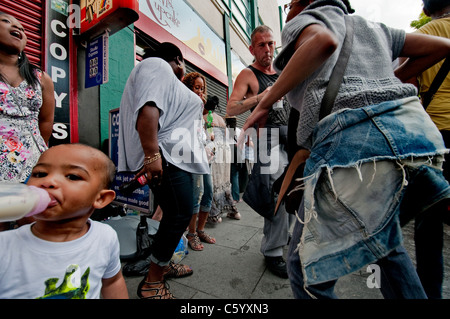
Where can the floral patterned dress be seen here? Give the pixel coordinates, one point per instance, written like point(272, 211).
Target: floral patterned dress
point(223, 202)
point(21, 142)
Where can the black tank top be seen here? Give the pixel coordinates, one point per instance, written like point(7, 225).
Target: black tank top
point(277, 116)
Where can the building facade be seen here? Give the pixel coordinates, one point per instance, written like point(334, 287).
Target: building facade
point(89, 48)
point(214, 36)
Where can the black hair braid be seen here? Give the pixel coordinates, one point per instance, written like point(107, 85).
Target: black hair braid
point(349, 6)
point(27, 70)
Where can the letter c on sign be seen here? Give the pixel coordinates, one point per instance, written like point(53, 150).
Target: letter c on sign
point(53, 26)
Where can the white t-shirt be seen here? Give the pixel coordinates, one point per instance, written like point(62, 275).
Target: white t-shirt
point(33, 268)
point(180, 121)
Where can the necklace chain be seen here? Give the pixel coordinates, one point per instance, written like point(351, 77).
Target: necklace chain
point(443, 16)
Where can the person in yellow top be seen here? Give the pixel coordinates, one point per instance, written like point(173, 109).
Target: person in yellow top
point(429, 226)
point(438, 109)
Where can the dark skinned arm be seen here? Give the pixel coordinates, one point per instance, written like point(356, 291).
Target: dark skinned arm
point(147, 127)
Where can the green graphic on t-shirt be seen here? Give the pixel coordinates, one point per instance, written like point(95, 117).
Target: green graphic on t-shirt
point(72, 287)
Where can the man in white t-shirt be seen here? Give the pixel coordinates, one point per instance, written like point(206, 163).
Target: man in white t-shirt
point(160, 118)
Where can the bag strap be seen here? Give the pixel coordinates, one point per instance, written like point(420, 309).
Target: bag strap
point(338, 71)
point(437, 81)
point(300, 157)
point(327, 103)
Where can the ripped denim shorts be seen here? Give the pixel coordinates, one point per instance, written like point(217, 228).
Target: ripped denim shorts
point(367, 167)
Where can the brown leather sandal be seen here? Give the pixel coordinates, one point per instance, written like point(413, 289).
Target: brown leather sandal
point(160, 293)
point(204, 237)
point(173, 270)
point(194, 242)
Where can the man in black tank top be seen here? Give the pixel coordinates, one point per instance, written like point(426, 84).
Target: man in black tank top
point(250, 86)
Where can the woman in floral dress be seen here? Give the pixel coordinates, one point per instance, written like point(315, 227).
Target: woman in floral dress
point(27, 105)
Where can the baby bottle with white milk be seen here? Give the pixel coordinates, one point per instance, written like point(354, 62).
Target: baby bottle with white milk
point(18, 200)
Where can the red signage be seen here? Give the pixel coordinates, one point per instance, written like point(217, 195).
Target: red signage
point(99, 15)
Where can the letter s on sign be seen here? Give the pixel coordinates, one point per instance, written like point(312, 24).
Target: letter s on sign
point(60, 131)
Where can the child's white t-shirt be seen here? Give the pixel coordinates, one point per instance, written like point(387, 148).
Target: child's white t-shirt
point(33, 268)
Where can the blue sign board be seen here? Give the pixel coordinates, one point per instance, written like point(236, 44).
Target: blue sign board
point(141, 199)
point(97, 57)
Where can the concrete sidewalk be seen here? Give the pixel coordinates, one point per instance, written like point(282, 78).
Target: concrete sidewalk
point(234, 268)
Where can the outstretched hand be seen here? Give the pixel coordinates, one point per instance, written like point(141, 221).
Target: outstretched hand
point(257, 120)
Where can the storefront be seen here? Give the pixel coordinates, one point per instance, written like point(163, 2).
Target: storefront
point(89, 47)
point(59, 34)
point(57, 31)
point(50, 46)
point(203, 51)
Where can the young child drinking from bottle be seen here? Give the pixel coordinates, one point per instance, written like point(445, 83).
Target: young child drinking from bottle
point(64, 254)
